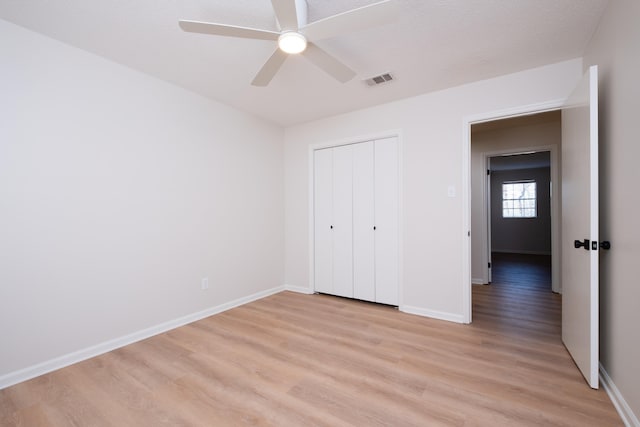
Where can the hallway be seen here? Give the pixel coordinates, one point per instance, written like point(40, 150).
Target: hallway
point(520, 297)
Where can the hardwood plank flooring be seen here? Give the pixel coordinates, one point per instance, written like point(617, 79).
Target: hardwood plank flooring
point(299, 360)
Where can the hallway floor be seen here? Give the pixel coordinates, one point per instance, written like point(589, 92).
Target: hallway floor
point(519, 297)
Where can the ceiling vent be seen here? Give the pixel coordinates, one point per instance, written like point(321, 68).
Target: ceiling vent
point(378, 80)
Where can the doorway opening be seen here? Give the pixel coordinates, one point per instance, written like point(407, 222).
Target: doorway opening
point(515, 216)
point(580, 243)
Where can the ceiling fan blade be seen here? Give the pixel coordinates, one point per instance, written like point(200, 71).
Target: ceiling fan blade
point(328, 63)
point(351, 21)
point(286, 14)
point(270, 68)
point(227, 30)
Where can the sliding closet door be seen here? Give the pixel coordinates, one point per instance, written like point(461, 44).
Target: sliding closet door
point(363, 222)
point(343, 221)
point(323, 218)
point(386, 216)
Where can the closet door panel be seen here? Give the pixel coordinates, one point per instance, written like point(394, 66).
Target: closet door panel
point(323, 207)
point(343, 221)
point(363, 222)
point(386, 215)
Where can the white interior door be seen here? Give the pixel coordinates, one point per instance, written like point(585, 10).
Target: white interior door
point(323, 219)
point(580, 226)
point(363, 222)
point(386, 220)
point(343, 221)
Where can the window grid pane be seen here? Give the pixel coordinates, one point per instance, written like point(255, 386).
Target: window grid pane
point(519, 199)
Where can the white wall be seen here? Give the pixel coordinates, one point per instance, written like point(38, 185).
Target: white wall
point(615, 48)
point(118, 193)
point(433, 159)
point(504, 139)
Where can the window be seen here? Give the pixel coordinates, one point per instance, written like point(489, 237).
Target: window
point(519, 199)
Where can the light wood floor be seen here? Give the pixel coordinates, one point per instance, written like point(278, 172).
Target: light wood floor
point(298, 360)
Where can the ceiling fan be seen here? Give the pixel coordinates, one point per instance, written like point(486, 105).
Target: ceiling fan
point(295, 35)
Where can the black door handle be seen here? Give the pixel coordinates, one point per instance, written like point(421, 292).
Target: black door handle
point(584, 244)
point(605, 244)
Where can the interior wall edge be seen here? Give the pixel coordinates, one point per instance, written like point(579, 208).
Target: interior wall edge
point(60, 362)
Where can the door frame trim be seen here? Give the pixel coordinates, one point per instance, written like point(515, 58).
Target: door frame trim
point(467, 121)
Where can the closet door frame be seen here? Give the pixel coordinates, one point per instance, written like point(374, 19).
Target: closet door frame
point(394, 133)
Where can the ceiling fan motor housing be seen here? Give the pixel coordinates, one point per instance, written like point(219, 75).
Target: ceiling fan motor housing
point(292, 42)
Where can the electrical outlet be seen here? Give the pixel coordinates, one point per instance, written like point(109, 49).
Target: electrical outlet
point(205, 283)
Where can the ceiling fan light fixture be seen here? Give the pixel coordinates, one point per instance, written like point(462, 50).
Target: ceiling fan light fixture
point(292, 42)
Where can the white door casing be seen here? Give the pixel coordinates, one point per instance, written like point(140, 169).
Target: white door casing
point(580, 333)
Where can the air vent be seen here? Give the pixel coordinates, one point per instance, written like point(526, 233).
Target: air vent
point(378, 80)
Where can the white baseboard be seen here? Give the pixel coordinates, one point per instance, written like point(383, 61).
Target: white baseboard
point(441, 315)
point(298, 289)
point(96, 350)
point(477, 281)
point(621, 405)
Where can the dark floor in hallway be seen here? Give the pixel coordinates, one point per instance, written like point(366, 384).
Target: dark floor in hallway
point(519, 296)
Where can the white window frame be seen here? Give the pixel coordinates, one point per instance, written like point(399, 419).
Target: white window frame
point(522, 209)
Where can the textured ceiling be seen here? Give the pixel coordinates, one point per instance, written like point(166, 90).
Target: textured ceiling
point(433, 44)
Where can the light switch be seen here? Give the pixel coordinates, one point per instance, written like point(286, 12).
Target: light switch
point(451, 191)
